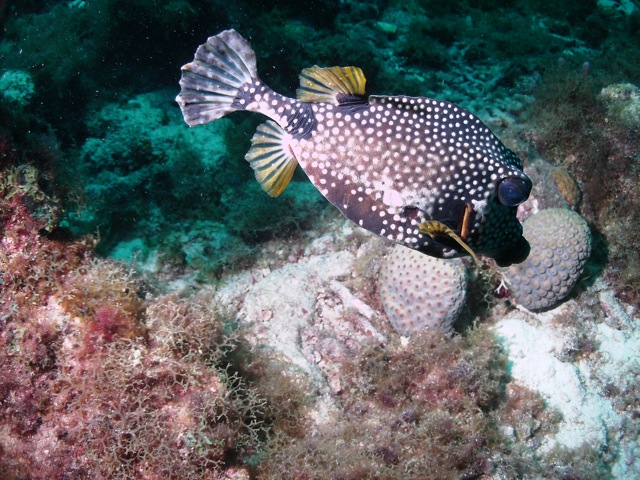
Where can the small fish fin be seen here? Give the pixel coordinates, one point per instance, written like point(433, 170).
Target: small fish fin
point(433, 228)
point(335, 85)
point(212, 80)
point(271, 158)
point(465, 222)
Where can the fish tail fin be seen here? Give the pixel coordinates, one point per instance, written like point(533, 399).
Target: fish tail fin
point(211, 82)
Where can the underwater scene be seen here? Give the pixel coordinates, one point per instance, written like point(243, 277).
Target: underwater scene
point(315, 239)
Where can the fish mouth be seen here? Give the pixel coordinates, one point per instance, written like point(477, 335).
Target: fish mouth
point(517, 253)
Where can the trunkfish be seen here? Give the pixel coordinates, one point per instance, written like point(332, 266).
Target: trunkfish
point(421, 172)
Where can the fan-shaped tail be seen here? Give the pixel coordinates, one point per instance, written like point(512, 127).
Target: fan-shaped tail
point(211, 82)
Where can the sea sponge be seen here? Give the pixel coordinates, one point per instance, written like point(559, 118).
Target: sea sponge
point(567, 186)
point(420, 292)
point(560, 242)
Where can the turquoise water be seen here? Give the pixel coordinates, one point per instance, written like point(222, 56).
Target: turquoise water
point(110, 204)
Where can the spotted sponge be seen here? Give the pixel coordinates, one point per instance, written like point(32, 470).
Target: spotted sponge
point(421, 292)
point(560, 246)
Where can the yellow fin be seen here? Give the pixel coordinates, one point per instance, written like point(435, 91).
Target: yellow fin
point(271, 159)
point(328, 85)
point(434, 227)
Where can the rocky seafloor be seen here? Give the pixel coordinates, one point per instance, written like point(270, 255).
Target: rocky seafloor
point(579, 356)
point(291, 369)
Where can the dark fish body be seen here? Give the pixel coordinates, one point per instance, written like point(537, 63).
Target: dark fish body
point(389, 163)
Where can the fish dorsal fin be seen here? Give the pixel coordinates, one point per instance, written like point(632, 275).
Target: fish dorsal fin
point(271, 158)
point(335, 85)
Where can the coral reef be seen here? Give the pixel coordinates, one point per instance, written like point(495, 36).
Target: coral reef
point(145, 177)
point(95, 382)
point(328, 337)
point(128, 160)
point(163, 404)
point(421, 292)
point(590, 135)
point(560, 247)
point(105, 374)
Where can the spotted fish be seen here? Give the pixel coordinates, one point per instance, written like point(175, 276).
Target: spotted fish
point(421, 172)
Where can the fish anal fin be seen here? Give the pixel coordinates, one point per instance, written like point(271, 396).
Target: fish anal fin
point(335, 85)
point(271, 158)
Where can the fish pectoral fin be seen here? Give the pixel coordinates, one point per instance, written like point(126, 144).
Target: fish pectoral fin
point(434, 228)
point(271, 158)
point(465, 222)
point(335, 85)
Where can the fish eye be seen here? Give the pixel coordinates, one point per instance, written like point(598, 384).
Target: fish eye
point(512, 191)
